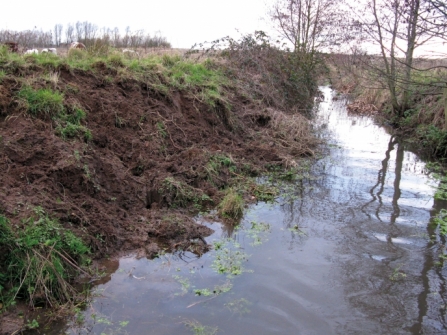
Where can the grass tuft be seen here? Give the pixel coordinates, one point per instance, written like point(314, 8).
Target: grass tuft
point(232, 205)
point(42, 102)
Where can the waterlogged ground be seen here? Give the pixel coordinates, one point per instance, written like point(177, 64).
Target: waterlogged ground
point(346, 250)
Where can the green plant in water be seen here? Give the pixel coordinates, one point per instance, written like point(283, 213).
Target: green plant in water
point(218, 289)
point(32, 324)
point(238, 306)
point(397, 274)
point(186, 284)
point(199, 329)
point(441, 221)
point(258, 232)
point(229, 258)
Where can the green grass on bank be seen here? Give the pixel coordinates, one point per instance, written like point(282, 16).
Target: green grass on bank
point(38, 260)
point(162, 73)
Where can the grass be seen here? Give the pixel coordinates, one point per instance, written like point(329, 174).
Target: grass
point(232, 205)
point(42, 102)
point(162, 73)
point(38, 261)
point(69, 125)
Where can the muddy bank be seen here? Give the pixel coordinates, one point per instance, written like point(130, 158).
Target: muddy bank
point(146, 158)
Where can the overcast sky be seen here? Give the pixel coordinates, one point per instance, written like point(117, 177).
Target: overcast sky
point(182, 22)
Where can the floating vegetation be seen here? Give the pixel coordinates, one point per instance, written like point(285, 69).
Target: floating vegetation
point(258, 232)
point(229, 258)
point(441, 221)
point(186, 284)
point(198, 329)
point(398, 274)
point(238, 306)
point(218, 289)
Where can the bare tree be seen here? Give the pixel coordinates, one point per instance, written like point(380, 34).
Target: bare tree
point(79, 31)
point(69, 34)
point(58, 34)
point(398, 28)
point(309, 25)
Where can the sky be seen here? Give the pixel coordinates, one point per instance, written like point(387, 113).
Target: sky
point(182, 22)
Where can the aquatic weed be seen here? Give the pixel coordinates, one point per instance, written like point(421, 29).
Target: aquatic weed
point(229, 258)
point(441, 221)
point(258, 232)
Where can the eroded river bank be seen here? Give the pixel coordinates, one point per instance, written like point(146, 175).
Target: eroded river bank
point(347, 249)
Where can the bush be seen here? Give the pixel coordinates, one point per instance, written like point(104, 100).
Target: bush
point(41, 257)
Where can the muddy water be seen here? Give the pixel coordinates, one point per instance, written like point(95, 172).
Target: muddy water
point(346, 250)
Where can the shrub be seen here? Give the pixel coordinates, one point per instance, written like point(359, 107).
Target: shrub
point(42, 102)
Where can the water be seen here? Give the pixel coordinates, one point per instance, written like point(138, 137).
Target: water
point(348, 251)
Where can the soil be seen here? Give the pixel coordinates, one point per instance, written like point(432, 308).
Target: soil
point(107, 190)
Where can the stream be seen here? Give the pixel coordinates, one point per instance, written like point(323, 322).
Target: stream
point(346, 249)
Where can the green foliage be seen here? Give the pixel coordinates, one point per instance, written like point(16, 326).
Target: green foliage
point(217, 164)
point(40, 258)
point(232, 205)
point(441, 222)
point(229, 258)
point(42, 102)
point(170, 61)
point(258, 232)
point(69, 125)
point(398, 275)
point(217, 290)
point(434, 139)
point(199, 329)
point(186, 284)
point(48, 60)
point(441, 191)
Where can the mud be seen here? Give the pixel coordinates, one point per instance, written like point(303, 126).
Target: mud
point(109, 190)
